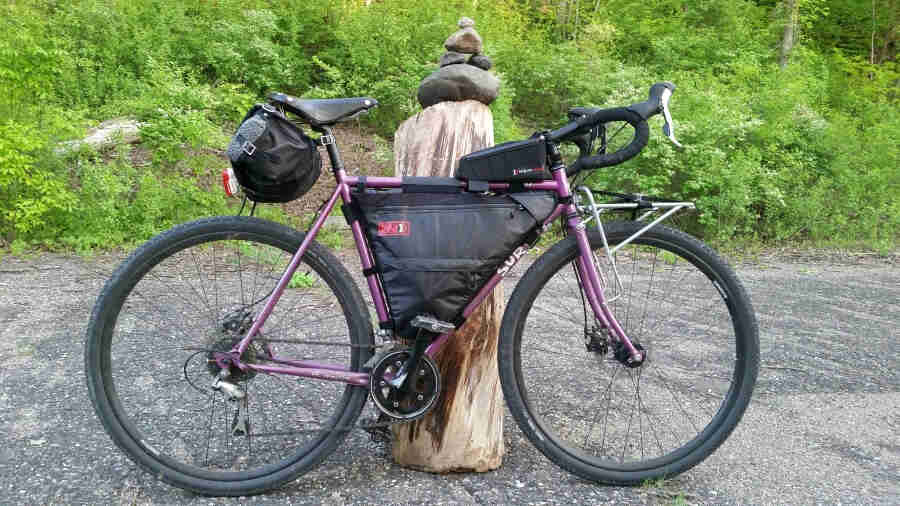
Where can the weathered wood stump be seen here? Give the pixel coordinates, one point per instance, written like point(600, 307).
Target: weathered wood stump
point(464, 432)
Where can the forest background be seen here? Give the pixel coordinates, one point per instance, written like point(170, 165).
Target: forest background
point(789, 110)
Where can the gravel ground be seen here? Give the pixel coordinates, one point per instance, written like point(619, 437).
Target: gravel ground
point(822, 427)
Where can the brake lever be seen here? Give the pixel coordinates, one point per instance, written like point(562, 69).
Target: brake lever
point(668, 127)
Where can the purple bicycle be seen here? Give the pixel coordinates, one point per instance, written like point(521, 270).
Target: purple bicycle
point(230, 355)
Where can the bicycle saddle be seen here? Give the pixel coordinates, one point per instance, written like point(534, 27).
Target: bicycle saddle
point(324, 111)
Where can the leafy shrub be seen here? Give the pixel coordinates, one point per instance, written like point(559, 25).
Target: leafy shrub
point(30, 195)
point(807, 152)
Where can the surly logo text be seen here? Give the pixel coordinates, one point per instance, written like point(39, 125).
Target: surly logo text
point(512, 260)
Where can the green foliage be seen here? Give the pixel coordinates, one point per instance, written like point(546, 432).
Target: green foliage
point(376, 54)
point(302, 280)
point(123, 204)
point(29, 195)
point(804, 153)
point(333, 237)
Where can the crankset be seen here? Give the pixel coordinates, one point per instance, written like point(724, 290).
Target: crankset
point(404, 394)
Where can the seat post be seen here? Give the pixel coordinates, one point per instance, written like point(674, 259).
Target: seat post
point(327, 139)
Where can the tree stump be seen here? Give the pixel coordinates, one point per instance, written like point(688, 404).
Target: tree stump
point(464, 432)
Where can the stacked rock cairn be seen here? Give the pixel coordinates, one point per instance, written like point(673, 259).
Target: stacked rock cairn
point(464, 71)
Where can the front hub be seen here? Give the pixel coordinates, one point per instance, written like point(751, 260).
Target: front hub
point(621, 353)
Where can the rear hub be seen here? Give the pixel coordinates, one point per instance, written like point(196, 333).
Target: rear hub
point(234, 326)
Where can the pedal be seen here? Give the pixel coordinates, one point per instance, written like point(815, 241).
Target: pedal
point(432, 324)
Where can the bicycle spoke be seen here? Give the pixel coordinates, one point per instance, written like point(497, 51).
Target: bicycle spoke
point(608, 395)
point(675, 398)
point(209, 430)
point(202, 284)
point(621, 420)
point(640, 326)
point(191, 302)
point(559, 316)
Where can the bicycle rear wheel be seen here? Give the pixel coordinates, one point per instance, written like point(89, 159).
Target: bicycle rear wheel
point(193, 291)
point(588, 411)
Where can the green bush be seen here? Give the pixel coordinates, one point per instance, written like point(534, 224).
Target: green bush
point(803, 153)
point(30, 196)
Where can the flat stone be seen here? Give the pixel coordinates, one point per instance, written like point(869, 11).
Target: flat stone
point(451, 58)
point(481, 61)
point(465, 22)
point(455, 83)
point(466, 41)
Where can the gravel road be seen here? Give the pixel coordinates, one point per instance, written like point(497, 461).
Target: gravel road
point(822, 428)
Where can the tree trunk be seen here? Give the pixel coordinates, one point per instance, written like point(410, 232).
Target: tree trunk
point(464, 432)
point(787, 40)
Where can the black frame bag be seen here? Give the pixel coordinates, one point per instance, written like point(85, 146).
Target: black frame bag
point(273, 159)
point(434, 251)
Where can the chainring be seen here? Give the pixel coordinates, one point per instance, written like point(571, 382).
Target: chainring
point(424, 386)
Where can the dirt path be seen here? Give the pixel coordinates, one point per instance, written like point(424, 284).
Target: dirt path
point(823, 426)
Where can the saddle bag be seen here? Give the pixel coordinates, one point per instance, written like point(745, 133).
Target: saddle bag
point(434, 251)
point(519, 161)
point(273, 159)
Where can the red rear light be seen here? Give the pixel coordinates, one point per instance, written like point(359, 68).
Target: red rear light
point(229, 182)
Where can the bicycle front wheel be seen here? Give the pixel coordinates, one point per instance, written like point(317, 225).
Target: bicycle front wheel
point(194, 291)
point(588, 411)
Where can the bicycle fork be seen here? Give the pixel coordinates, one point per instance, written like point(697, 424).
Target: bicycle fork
point(593, 288)
point(591, 277)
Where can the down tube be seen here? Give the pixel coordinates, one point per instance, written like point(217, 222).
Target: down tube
point(473, 305)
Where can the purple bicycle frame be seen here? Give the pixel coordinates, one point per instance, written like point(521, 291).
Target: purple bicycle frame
point(587, 271)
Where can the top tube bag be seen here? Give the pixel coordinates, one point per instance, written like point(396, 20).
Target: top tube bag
point(517, 161)
point(273, 159)
point(434, 251)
